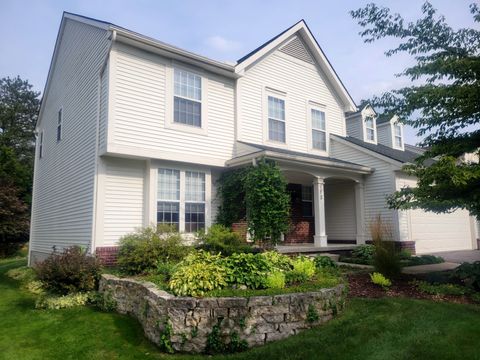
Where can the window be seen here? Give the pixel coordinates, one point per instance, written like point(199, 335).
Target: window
point(370, 128)
point(40, 145)
point(319, 132)
point(168, 197)
point(397, 129)
point(59, 125)
point(187, 98)
point(307, 201)
point(276, 119)
point(194, 201)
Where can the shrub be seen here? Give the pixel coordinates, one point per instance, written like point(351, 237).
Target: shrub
point(275, 280)
point(304, 265)
point(379, 279)
point(165, 270)
point(71, 271)
point(424, 260)
point(277, 261)
point(247, 269)
point(386, 260)
point(324, 262)
point(440, 289)
point(141, 251)
point(468, 274)
point(294, 277)
point(364, 252)
point(51, 302)
point(23, 274)
point(220, 239)
point(195, 279)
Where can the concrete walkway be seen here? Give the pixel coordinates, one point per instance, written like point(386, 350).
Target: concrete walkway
point(425, 269)
point(460, 256)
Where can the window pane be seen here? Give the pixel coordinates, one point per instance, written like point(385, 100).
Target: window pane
point(369, 123)
point(318, 119)
point(319, 140)
point(194, 217)
point(276, 130)
point(194, 186)
point(307, 193)
point(187, 85)
point(398, 131)
point(187, 112)
point(168, 213)
point(370, 134)
point(276, 108)
point(307, 208)
point(168, 185)
point(398, 141)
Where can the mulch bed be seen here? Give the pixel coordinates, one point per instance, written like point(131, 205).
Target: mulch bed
point(360, 285)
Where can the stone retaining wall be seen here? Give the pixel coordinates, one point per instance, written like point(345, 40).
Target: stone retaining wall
point(184, 323)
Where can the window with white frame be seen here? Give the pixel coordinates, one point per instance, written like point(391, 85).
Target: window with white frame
point(168, 197)
point(307, 201)
point(319, 130)
point(276, 119)
point(40, 145)
point(397, 130)
point(59, 124)
point(194, 201)
point(370, 128)
point(187, 98)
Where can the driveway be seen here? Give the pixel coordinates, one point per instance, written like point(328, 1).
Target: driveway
point(460, 256)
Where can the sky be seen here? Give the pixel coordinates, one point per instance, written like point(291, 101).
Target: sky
point(222, 30)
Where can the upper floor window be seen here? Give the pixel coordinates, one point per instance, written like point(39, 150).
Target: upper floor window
point(276, 119)
point(59, 124)
point(319, 130)
point(40, 145)
point(187, 98)
point(370, 128)
point(168, 197)
point(397, 129)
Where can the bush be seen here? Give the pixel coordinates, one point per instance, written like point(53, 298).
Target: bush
point(468, 274)
point(364, 252)
point(440, 289)
point(379, 279)
point(275, 280)
point(324, 262)
point(385, 260)
point(277, 261)
point(141, 251)
point(71, 271)
point(247, 269)
point(220, 239)
point(198, 278)
point(304, 265)
point(424, 260)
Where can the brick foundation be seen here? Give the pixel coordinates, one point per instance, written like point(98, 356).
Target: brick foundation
point(241, 228)
point(107, 255)
point(406, 245)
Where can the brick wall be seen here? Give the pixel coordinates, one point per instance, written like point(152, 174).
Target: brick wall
point(107, 255)
point(302, 228)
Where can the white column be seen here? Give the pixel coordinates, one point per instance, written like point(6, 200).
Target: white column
point(360, 211)
point(320, 237)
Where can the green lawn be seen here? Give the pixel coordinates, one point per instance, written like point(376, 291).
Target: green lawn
point(368, 329)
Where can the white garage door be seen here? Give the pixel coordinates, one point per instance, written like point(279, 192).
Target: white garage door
point(440, 232)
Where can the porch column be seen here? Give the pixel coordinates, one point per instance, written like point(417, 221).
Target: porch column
point(360, 211)
point(320, 237)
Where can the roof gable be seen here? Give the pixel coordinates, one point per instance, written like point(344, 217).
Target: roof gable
point(304, 46)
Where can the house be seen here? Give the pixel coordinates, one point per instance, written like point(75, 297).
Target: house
point(133, 131)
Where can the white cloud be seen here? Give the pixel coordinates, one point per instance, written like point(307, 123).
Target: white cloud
point(221, 44)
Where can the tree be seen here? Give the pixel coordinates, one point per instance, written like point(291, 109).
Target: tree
point(442, 103)
point(19, 107)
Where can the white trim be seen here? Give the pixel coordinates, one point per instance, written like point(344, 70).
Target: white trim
point(365, 128)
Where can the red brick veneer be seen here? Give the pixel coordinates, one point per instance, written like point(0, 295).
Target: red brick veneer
point(107, 255)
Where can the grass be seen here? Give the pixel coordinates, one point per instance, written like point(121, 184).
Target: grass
point(369, 329)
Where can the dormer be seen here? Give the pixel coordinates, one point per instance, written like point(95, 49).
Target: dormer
point(362, 124)
point(390, 132)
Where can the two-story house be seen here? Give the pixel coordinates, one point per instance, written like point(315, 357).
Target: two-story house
point(133, 132)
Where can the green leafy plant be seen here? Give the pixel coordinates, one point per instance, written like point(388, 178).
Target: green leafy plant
point(304, 265)
point(23, 274)
point(423, 260)
point(277, 261)
point(140, 252)
point(220, 239)
point(364, 252)
point(215, 344)
point(53, 302)
point(166, 338)
point(468, 275)
point(231, 190)
point(322, 262)
point(73, 270)
point(386, 260)
point(275, 280)
point(379, 279)
point(247, 269)
point(312, 314)
point(440, 289)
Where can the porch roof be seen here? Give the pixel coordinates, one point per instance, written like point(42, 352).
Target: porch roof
point(289, 155)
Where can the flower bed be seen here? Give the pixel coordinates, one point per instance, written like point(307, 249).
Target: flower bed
point(220, 324)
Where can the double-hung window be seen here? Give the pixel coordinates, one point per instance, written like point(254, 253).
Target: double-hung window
point(319, 130)
point(168, 197)
point(307, 201)
point(397, 129)
point(370, 128)
point(276, 119)
point(187, 98)
point(59, 124)
point(194, 201)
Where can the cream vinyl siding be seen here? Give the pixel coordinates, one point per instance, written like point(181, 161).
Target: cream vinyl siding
point(340, 211)
point(301, 83)
point(123, 197)
point(63, 189)
point(102, 131)
point(142, 98)
point(384, 133)
point(355, 127)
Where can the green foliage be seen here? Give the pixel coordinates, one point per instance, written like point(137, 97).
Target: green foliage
point(304, 265)
point(379, 279)
point(165, 338)
point(324, 262)
point(220, 239)
point(423, 260)
point(141, 251)
point(217, 344)
point(275, 280)
point(165, 270)
point(312, 314)
point(72, 271)
point(386, 260)
point(468, 274)
point(22, 274)
point(52, 302)
point(277, 261)
point(267, 201)
point(364, 252)
point(443, 105)
point(247, 269)
point(231, 191)
point(440, 289)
